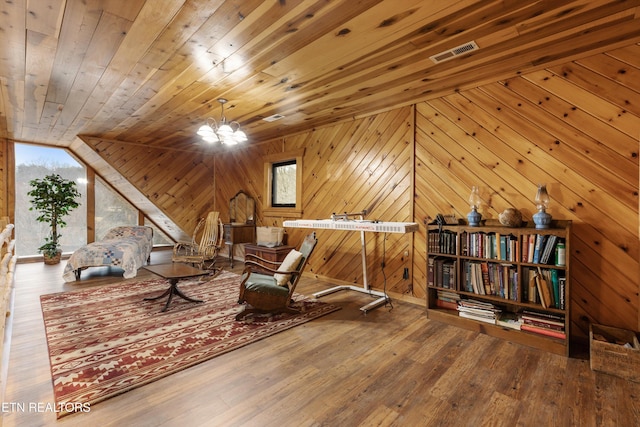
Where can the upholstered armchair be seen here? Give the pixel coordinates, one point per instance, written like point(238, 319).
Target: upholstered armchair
point(267, 286)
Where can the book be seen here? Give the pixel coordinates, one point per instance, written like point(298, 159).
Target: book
point(446, 273)
point(509, 320)
point(448, 295)
point(479, 318)
point(552, 316)
point(525, 248)
point(544, 321)
point(543, 331)
point(539, 247)
point(467, 277)
point(449, 305)
point(532, 244)
point(542, 324)
point(430, 272)
point(547, 277)
point(512, 248)
point(543, 290)
point(484, 268)
point(562, 284)
point(555, 286)
point(515, 287)
point(504, 281)
point(549, 249)
point(532, 287)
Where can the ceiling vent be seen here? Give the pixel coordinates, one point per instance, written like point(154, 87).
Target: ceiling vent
point(273, 118)
point(456, 51)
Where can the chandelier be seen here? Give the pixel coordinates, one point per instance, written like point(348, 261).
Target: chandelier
point(222, 131)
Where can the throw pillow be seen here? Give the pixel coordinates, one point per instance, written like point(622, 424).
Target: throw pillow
point(290, 263)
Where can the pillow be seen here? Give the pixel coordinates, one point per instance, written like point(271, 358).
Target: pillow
point(290, 263)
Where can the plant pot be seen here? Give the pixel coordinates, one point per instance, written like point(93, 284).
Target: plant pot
point(48, 260)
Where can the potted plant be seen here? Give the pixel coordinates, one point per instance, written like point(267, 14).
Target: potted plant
point(53, 197)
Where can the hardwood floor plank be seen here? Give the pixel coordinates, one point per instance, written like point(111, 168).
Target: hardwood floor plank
point(392, 367)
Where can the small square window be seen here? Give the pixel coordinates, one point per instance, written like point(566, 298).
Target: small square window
point(283, 184)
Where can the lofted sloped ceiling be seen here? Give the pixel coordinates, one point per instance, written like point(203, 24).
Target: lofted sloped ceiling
point(148, 72)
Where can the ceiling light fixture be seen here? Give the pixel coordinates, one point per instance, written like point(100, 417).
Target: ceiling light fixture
point(222, 131)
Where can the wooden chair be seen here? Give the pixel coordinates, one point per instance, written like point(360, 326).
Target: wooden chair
point(201, 253)
point(268, 286)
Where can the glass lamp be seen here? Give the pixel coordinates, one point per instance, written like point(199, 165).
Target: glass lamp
point(541, 218)
point(474, 217)
point(222, 131)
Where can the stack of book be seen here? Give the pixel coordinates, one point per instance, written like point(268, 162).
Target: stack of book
point(509, 320)
point(447, 299)
point(478, 310)
point(548, 324)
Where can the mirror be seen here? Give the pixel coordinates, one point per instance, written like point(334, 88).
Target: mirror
point(242, 209)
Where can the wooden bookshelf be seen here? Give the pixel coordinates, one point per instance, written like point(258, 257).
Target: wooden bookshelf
point(501, 266)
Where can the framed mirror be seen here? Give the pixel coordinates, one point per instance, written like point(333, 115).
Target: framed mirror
point(242, 209)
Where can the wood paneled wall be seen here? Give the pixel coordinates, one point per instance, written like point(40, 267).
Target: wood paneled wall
point(574, 127)
point(178, 183)
point(352, 166)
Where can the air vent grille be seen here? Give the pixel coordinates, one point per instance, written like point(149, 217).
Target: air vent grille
point(273, 118)
point(456, 51)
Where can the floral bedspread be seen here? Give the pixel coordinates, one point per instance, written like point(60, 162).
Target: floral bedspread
point(126, 247)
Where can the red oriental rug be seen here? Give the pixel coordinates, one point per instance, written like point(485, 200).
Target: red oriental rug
point(107, 340)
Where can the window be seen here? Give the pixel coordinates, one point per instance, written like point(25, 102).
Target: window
point(111, 210)
point(283, 184)
point(31, 162)
point(159, 237)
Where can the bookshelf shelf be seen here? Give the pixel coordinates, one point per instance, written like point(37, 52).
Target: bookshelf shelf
point(480, 276)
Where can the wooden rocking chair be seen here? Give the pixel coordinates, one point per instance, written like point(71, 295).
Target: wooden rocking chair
point(202, 253)
point(267, 286)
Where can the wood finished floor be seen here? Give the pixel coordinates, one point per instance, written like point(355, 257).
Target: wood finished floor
point(388, 368)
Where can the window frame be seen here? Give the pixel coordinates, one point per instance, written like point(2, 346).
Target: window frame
point(274, 168)
point(269, 162)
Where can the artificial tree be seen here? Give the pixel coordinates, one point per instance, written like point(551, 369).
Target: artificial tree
point(53, 197)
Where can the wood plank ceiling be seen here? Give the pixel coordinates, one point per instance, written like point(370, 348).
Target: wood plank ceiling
point(148, 72)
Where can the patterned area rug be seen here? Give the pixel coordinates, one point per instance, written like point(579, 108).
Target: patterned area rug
point(108, 340)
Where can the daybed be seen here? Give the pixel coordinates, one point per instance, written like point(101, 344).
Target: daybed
point(126, 247)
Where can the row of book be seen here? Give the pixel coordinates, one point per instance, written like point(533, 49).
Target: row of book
point(547, 324)
point(443, 242)
point(546, 287)
point(490, 245)
point(535, 248)
point(441, 272)
point(485, 278)
point(539, 248)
